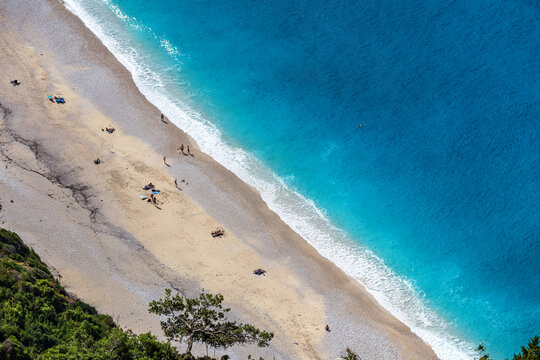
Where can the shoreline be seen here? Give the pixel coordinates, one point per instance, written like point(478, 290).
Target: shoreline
point(299, 279)
point(389, 289)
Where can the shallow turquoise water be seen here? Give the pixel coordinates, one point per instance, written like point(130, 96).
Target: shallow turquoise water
point(441, 182)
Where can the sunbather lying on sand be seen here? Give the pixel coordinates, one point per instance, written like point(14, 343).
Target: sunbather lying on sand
point(150, 186)
point(59, 100)
point(217, 233)
point(259, 272)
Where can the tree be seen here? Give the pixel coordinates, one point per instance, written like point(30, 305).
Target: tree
point(350, 355)
point(203, 320)
point(481, 349)
point(530, 353)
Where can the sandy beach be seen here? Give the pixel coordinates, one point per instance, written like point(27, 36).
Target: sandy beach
point(118, 252)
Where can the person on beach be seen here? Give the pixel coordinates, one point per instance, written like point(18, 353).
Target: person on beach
point(162, 119)
point(175, 183)
point(165, 160)
point(188, 151)
point(327, 328)
point(182, 148)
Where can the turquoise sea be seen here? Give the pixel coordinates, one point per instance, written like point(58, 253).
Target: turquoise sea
point(434, 203)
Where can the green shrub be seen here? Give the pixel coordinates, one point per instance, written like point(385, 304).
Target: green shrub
point(38, 320)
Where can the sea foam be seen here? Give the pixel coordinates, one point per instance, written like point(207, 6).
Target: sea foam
point(394, 292)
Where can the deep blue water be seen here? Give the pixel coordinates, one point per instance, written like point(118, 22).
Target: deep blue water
point(441, 182)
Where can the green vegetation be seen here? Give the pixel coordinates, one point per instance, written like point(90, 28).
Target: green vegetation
point(39, 320)
point(350, 355)
point(529, 352)
point(203, 320)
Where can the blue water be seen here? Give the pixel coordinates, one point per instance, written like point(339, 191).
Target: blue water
point(441, 182)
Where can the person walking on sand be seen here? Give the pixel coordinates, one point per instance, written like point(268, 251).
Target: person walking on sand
point(188, 151)
point(175, 183)
point(162, 119)
point(165, 160)
point(182, 148)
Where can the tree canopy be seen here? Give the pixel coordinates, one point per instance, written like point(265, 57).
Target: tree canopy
point(350, 355)
point(529, 352)
point(203, 319)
